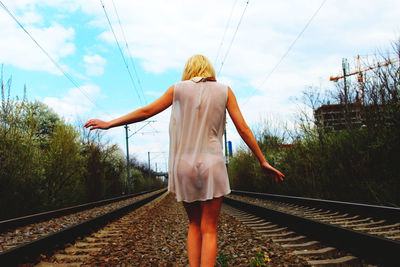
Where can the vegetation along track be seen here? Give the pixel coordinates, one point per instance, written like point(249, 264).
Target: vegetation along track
point(28, 236)
point(371, 233)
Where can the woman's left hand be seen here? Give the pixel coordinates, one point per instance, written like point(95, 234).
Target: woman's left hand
point(97, 124)
point(277, 175)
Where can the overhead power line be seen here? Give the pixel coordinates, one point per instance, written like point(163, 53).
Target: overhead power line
point(233, 37)
point(122, 54)
point(226, 29)
point(289, 48)
point(64, 72)
point(129, 52)
point(132, 61)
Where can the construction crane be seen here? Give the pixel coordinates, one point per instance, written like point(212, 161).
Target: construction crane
point(360, 72)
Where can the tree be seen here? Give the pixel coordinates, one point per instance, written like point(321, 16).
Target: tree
point(63, 165)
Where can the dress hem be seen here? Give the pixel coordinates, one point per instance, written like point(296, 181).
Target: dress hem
point(205, 199)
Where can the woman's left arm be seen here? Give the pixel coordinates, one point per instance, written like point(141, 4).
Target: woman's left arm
point(138, 115)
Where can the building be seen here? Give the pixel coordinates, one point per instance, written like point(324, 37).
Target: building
point(334, 115)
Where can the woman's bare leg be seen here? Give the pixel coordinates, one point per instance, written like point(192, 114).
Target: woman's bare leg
point(193, 211)
point(210, 210)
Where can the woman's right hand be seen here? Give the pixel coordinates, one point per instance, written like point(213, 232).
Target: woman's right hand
point(277, 175)
point(97, 124)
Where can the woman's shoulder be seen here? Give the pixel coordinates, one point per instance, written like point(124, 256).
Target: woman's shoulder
point(182, 84)
point(222, 84)
point(190, 83)
point(186, 82)
point(222, 87)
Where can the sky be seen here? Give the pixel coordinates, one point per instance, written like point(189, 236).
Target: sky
point(157, 37)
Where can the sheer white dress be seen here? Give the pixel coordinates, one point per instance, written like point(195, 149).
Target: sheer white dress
point(196, 166)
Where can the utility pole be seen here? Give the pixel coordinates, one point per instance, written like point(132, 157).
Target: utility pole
point(148, 158)
point(344, 66)
point(127, 152)
point(226, 149)
point(346, 106)
point(127, 160)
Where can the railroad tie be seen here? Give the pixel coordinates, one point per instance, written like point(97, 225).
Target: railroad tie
point(279, 234)
point(347, 260)
point(384, 227)
point(321, 212)
point(50, 264)
point(340, 220)
point(358, 221)
point(395, 237)
point(385, 233)
point(263, 227)
point(80, 244)
point(71, 257)
point(334, 218)
point(327, 251)
point(368, 224)
point(310, 244)
point(290, 239)
point(271, 231)
point(325, 216)
point(259, 225)
point(253, 221)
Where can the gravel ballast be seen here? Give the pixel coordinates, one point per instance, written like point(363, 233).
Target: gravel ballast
point(155, 235)
point(27, 233)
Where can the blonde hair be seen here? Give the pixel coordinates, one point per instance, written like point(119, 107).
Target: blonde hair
point(197, 66)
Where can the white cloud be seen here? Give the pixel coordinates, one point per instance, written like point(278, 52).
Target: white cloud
point(164, 34)
point(164, 37)
point(17, 49)
point(31, 18)
point(75, 102)
point(88, 6)
point(94, 65)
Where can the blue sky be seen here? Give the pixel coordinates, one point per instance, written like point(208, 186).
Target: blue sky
point(161, 35)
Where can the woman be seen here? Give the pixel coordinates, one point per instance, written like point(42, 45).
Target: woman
point(197, 172)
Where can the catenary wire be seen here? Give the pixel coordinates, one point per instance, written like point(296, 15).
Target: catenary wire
point(123, 57)
point(120, 51)
point(131, 59)
point(233, 37)
point(129, 52)
point(226, 29)
point(65, 73)
point(287, 51)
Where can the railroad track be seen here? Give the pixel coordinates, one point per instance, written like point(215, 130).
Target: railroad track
point(276, 220)
point(322, 232)
point(28, 236)
point(82, 249)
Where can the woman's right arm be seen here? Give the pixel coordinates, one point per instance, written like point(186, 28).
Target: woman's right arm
point(247, 135)
point(140, 114)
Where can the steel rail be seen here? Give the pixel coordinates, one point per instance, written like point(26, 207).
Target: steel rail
point(23, 252)
point(33, 218)
point(372, 248)
point(390, 214)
